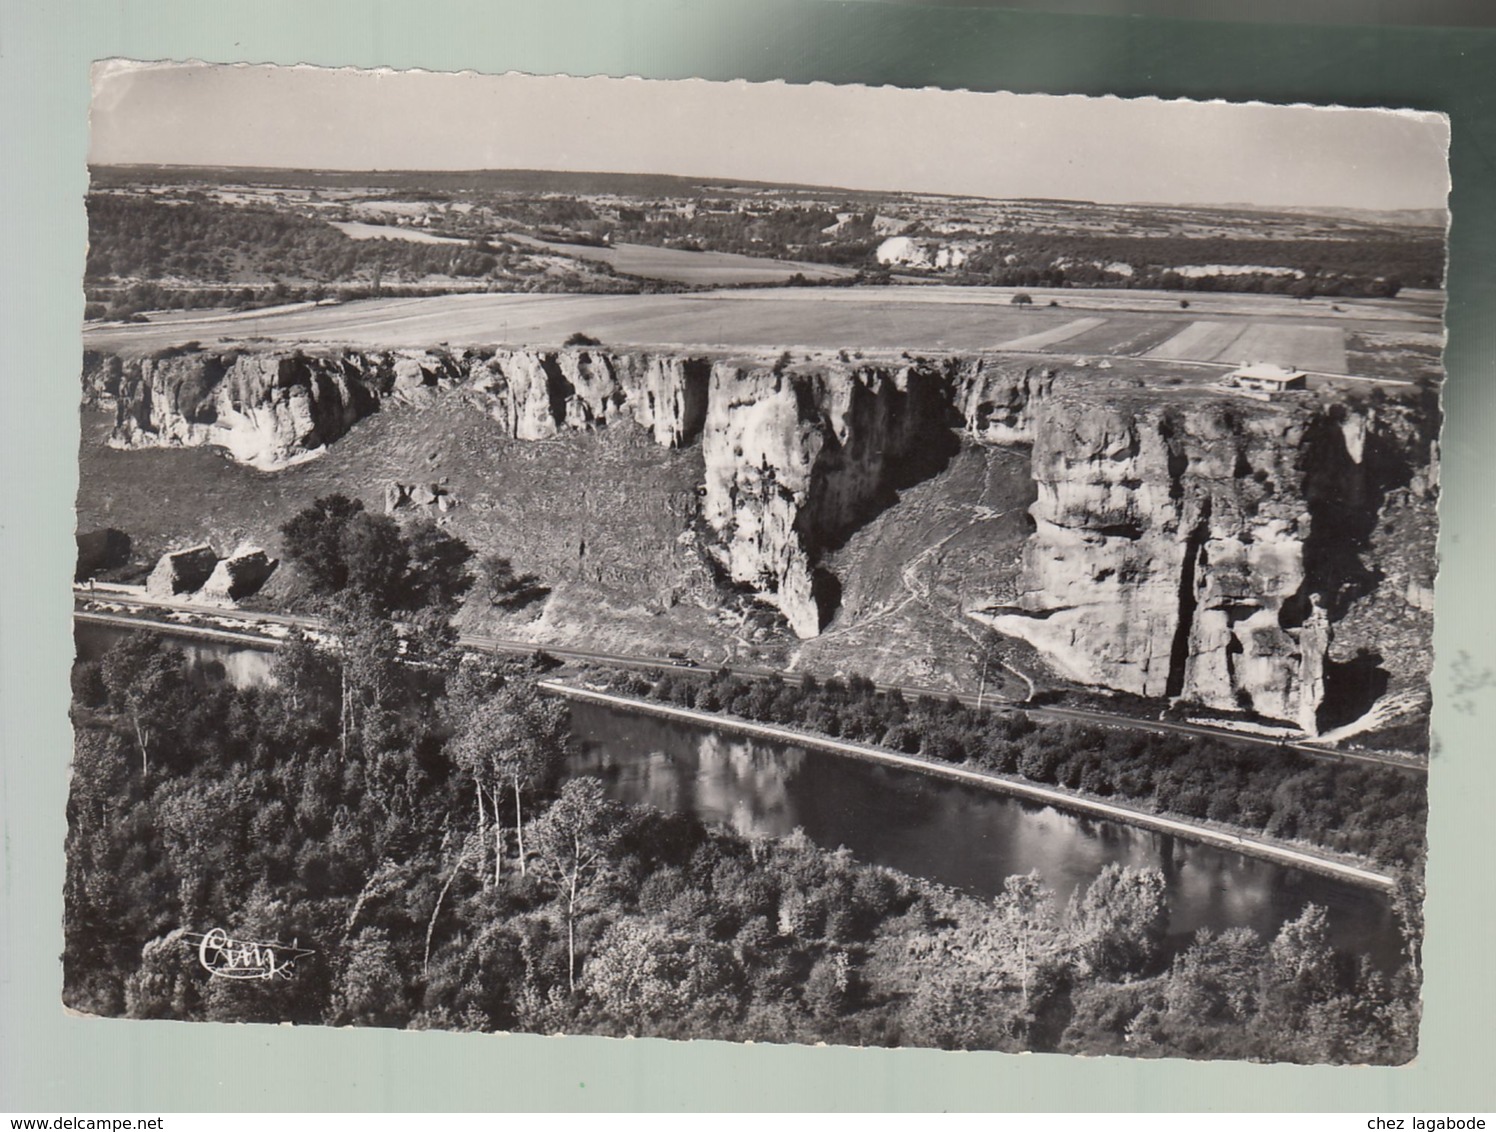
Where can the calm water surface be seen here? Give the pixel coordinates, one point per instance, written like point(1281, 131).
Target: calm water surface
point(958, 835)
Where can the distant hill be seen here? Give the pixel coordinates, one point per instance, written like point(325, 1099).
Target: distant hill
point(645, 185)
point(1393, 217)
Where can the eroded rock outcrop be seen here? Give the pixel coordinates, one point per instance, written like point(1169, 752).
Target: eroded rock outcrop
point(1186, 544)
point(998, 398)
point(1199, 548)
point(266, 409)
point(538, 394)
point(795, 458)
point(181, 571)
point(238, 576)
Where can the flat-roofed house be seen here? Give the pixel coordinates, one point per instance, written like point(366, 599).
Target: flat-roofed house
point(1265, 377)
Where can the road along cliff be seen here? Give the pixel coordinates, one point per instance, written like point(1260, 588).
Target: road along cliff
point(1186, 543)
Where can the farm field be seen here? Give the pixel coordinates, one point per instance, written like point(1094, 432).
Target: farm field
point(670, 265)
point(357, 230)
point(895, 318)
point(674, 265)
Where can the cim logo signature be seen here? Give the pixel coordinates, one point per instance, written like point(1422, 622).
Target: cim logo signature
point(224, 957)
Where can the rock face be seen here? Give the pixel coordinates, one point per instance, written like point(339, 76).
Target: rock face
point(794, 460)
point(100, 550)
point(266, 410)
point(181, 571)
point(997, 400)
point(1198, 549)
point(798, 456)
point(1189, 545)
point(239, 575)
point(539, 394)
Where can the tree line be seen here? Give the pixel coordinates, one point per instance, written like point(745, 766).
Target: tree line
point(1375, 812)
point(1362, 265)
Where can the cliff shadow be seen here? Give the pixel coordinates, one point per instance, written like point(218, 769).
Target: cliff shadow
point(1344, 498)
point(1351, 687)
point(852, 484)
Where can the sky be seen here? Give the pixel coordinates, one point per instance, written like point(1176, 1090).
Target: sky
point(958, 142)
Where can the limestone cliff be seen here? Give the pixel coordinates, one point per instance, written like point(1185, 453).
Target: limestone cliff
point(538, 394)
point(795, 458)
point(266, 409)
point(997, 399)
point(1202, 547)
point(1186, 543)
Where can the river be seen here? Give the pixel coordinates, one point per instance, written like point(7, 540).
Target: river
point(963, 836)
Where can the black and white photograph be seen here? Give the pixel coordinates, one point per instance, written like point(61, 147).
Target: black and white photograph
point(756, 562)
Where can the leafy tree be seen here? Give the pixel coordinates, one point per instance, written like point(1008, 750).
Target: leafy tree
point(1300, 969)
point(371, 988)
point(1215, 979)
point(572, 842)
point(437, 574)
point(303, 672)
point(339, 546)
point(146, 681)
point(163, 986)
point(638, 974)
point(376, 558)
point(990, 658)
point(314, 541)
point(502, 585)
point(1025, 909)
point(366, 648)
point(1120, 921)
point(514, 739)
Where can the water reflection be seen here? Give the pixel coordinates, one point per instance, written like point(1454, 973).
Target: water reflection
point(241, 666)
point(954, 834)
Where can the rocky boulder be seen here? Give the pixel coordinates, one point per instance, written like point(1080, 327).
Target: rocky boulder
point(182, 571)
point(238, 576)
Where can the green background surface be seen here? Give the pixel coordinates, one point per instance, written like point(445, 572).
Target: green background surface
point(55, 1064)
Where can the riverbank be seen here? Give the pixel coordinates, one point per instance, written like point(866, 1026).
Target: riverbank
point(176, 629)
point(1277, 853)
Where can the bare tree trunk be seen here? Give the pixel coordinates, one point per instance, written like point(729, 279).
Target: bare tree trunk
point(498, 840)
point(140, 739)
point(431, 924)
point(482, 821)
point(519, 829)
point(343, 721)
point(1023, 971)
point(571, 935)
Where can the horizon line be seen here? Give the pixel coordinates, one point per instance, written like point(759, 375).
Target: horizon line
point(729, 180)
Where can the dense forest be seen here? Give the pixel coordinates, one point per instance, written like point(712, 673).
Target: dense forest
point(400, 814)
point(1375, 812)
point(1331, 267)
point(143, 238)
point(247, 255)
